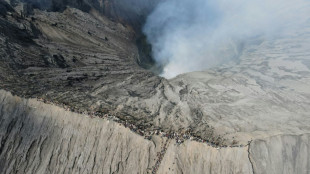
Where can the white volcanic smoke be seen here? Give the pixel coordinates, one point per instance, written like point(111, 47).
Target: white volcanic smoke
point(193, 35)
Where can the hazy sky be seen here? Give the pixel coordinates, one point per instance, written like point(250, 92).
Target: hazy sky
point(192, 35)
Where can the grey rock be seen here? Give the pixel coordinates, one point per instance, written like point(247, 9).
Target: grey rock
point(41, 138)
point(281, 154)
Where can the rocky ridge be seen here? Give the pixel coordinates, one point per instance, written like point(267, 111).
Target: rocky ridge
point(48, 139)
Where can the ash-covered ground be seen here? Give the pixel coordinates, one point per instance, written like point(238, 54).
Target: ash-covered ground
point(87, 61)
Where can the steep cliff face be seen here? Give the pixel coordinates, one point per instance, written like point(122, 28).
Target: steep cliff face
point(40, 138)
point(74, 51)
point(132, 12)
point(43, 138)
point(281, 154)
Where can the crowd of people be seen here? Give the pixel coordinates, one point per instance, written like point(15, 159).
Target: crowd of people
point(160, 156)
point(177, 136)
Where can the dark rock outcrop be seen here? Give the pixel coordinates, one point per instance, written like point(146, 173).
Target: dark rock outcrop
point(132, 12)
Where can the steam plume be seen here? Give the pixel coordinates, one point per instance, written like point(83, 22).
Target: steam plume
point(192, 35)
